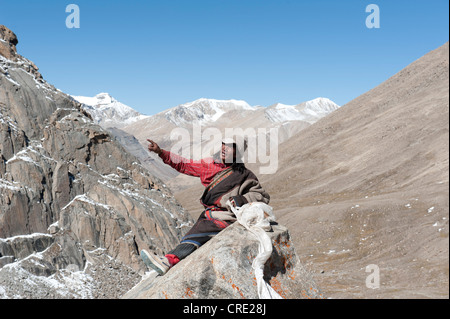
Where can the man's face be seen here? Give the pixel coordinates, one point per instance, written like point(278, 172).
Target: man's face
point(228, 153)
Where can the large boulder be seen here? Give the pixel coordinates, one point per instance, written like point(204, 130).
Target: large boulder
point(222, 268)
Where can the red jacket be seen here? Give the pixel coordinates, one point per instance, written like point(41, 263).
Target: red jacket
point(242, 187)
point(206, 168)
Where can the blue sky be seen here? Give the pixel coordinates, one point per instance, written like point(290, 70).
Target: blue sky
point(153, 55)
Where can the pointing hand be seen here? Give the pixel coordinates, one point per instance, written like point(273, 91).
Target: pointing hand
point(153, 147)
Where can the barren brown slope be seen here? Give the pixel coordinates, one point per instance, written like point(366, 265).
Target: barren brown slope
point(368, 184)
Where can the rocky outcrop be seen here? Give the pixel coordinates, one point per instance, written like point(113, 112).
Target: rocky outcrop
point(8, 42)
point(72, 199)
point(222, 268)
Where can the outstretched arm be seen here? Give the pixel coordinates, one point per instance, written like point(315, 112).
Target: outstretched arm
point(181, 164)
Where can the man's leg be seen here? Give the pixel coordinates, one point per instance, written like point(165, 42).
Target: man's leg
point(203, 230)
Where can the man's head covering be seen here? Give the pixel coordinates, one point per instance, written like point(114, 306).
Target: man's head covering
point(240, 145)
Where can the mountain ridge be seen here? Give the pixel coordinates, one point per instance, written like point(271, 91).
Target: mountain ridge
point(372, 187)
point(108, 112)
point(103, 107)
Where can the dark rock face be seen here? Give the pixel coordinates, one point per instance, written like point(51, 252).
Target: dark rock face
point(69, 190)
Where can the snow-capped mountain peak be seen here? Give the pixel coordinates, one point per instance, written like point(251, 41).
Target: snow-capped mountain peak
point(100, 99)
point(204, 110)
point(318, 106)
point(109, 112)
point(309, 111)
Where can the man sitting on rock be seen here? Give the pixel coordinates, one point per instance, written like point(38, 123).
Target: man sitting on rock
point(225, 178)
